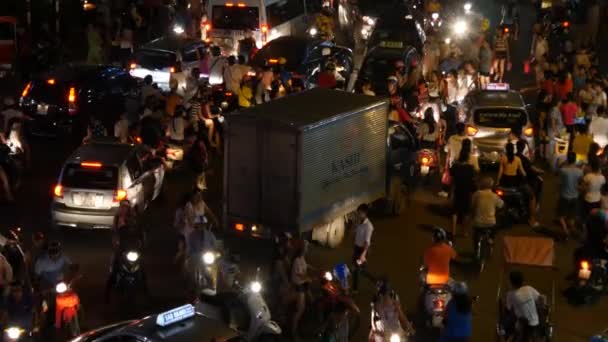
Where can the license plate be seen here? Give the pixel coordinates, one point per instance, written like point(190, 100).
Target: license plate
point(424, 170)
point(42, 109)
point(87, 200)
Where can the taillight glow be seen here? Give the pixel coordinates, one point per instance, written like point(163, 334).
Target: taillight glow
point(438, 304)
point(132, 66)
point(500, 193)
point(91, 165)
point(240, 4)
point(228, 93)
point(229, 4)
point(50, 81)
point(207, 27)
point(58, 191)
point(264, 28)
point(26, 90)
point(566, 24)
point(585, 265)
point(120, 195)
point(472, 130)
point(529, 131)
point(239, 226)
point(172, 70)
point(425, 160)
point(273, 61)
point(72, 95)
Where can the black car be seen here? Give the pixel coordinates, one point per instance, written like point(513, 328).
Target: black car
point(303, 56)
point(379, 63)
point(63, 100)
point(398, 26)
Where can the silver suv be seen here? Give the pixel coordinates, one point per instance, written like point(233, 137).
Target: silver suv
point(97, 177)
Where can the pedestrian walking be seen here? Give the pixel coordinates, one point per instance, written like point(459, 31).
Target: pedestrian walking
point(592, 185)
point(363, 239)
point(570, 176)
point(463, 178)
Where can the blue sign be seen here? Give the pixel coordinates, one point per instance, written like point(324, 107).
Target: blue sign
point(175, 315)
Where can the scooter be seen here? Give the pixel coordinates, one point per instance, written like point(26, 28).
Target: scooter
point(243, 308)
point(205, 273)
point(129, 277)
point(67, 306)
point(428, 160)
point(334, 288)
point(435, 299)
point(593, 275)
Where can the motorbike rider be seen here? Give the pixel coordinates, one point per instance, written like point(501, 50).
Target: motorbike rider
point(18, 308)
point(428, 130)
point(388, 315)
point(50, 267)
point(437, 258)
point(12, 132)
point(484, 205)
point(325, 23)
point(533, 184)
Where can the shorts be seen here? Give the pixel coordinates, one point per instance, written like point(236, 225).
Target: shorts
point(301, 288)
point(567, 207)
point(501, 55)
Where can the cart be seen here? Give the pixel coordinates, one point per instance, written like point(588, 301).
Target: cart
point(534, 252)
point(8, 45)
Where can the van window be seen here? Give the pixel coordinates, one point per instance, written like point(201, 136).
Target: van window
point(282, 11)
point(134, 167)
point(235, 18)
point(500, 117)
point(102, 178)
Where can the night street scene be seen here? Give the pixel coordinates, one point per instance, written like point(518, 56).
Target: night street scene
point(303, 170)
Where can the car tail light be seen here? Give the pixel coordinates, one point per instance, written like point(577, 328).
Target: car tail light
point(529, 131)
point(132, 66)
point(229, 4)
point(240, 4)
point(120, 195)
point(91, 165)
point(72, 101)
point(228, 94)
point(438, 304)
point(500, 193)
point(58, 191)
point(472, 130)
point(585, 265)
point(26, 90)
point(566, 24)
point(172, 70)
point(505, 30)
point(50, 81)
point(239, 227)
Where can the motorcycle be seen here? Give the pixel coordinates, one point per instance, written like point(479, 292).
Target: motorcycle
point(67, 307)
point(484, 247)
point(15, 333)
point(205, 273)
point(517, 202)
point(428, 160)
point(435, 298)
point(130, 277)
point(593, 276)
point(244, 309)
point(334, 287)
point(433, 22)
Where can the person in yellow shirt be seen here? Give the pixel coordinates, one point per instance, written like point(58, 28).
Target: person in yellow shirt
point(511, 169)
point(581, 143)
point(245, 93)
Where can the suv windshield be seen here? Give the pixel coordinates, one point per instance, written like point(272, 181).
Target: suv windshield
point(500, 118)
point(235, 18)
point(151, 59)
point(98, 178)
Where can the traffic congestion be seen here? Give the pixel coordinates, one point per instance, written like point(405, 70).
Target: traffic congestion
point(287, 170)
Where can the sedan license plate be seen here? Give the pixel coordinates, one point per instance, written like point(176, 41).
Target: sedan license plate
point(42, 109)
point(88, 200)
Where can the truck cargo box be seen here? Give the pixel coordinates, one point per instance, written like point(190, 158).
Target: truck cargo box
point(303, 160)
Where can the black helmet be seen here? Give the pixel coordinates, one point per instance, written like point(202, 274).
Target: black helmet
point(54, 248)
point(439, 234)
point(383, 286)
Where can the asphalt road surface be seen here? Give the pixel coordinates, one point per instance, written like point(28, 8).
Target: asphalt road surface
point(397, 247)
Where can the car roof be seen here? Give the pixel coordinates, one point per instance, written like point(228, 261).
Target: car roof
point(170, 44)
point(105, 152)
point(76, 72)
point(309, 108)
point(197, 328)
point(497, 98)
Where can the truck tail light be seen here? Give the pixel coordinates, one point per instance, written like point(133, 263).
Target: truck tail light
point(472, 130)
point(72, 101)
point(58, 191)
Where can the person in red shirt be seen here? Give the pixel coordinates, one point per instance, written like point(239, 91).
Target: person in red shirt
point(565, 85)
point(568, 110)
point(548, 84)
point(437, 258)
point(327, 77)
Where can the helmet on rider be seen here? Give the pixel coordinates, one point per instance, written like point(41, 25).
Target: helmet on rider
point(439, 235)
point(54, 249)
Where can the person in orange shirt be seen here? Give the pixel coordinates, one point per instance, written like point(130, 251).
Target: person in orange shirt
point(437, 258)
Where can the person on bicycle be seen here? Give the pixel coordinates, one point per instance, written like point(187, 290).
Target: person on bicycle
point(485, 203)
point(437, 258)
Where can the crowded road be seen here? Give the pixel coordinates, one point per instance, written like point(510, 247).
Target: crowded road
point(398, 243)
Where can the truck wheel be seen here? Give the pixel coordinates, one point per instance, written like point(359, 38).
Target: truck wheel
point(330, 234)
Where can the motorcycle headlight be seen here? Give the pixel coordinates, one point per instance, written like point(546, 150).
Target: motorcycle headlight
point(132, 256)
point(435, 16)
point(61, 287)
point(467, 7)
point(395, 338)
point(313, 31)
point(208, 258)
point(461, 27)
point(177, 29)
point(328, 276)
point(256, 287)
point(13, 333)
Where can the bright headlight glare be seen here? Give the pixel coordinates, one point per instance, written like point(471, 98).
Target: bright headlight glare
point(395, 338)
point(132, 256)
point(13, 332)
point(468, 6)
point(328, 276)
point(256, 287)
point(435, 16)
point(448, 40)
point(460, 27)
point(208, 258)
point(61, 287)
point(178, 29)
point(313, 31)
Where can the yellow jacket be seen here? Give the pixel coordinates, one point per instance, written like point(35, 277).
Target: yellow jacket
point(245, 95)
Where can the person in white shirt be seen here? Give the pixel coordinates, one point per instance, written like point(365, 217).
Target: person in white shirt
point(598, 127)
point(121, 128)
point(363, 239)
point(300, 281)
point(522, 301)
point(593, 182)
